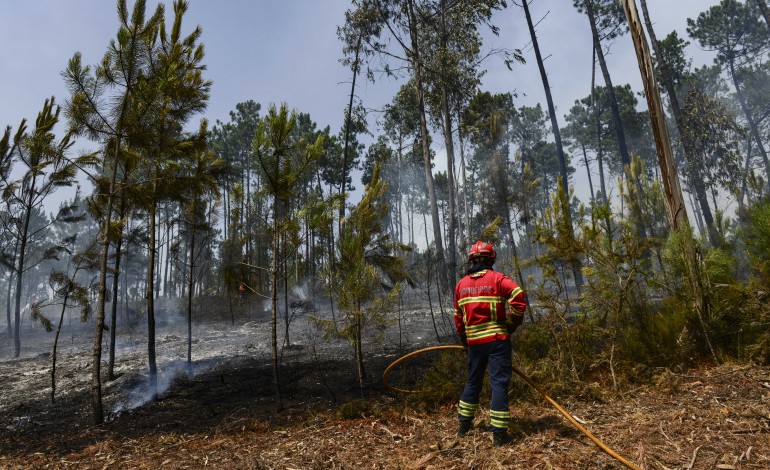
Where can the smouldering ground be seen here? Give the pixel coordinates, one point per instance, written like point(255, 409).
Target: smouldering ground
point(225, 417)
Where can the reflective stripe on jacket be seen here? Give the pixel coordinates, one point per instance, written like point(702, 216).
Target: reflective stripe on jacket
point(483, 300)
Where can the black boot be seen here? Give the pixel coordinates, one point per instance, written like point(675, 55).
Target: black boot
point(501, 438)
point(464, 427)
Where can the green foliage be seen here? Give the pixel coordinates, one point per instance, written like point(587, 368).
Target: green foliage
point(365, 278)
point(440, 383)
point(757, 236)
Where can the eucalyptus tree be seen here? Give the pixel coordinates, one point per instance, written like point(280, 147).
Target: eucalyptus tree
point(453, 44)
point(282, 161)
point(736, 33)
point(375, 23)
point(104, 106)
point(177, 93)
point(46, 167)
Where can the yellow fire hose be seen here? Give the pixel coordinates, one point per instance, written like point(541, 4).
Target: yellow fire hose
point(550, 400)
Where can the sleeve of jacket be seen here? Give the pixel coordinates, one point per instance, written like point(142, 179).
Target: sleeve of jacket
point(515, 297)
point(459, 322)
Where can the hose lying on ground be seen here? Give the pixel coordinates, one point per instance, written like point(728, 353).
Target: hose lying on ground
point(550, 400)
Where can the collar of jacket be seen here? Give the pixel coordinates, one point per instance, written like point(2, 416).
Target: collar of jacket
point(476, 267)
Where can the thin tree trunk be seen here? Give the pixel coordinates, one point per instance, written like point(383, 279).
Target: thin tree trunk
point(588, 172)
point(597, 119)
point(274, 306)
point(96, 360)
point(348, 119)
point(151, 358)
point(190, 288)
point(450, 155)
point(619, 132)
point(744, 178)
point(56, 344)
point(466, 210)
point(114, 304)
point(11, 279)
point(20, 269)
point(167, 258)
point(359, 349)
point(575, 261)
point(417, 65)
point(708, 218)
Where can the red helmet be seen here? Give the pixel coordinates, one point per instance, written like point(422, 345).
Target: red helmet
point(481, 249)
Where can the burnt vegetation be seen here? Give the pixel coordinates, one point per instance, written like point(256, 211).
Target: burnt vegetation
point(221, 299)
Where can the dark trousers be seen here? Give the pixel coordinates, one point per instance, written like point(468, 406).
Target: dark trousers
point(496, 355)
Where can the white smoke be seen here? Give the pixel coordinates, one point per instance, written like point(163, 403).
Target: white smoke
point(143, 393)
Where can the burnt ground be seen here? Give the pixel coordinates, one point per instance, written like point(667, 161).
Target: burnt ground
point(224, 415)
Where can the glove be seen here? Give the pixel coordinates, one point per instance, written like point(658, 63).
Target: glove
point(464, 340)
point(513, 322)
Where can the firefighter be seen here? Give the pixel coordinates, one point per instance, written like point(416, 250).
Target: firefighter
point(242, 292)
point(489, 306)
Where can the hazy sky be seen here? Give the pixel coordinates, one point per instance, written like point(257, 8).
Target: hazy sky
point(287, 50)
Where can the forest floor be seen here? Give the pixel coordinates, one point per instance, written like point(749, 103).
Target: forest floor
point(224, 414)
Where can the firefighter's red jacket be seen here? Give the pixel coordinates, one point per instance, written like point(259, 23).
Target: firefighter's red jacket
point(483, 300)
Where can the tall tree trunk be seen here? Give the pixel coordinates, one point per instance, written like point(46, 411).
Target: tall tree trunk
point(348, 120)
point(588, 172)
point(167, 258)
point(620, 135)
point(619, 132)
point(744, 178)
point(55, 346)
point(274, 305)
point(705, 209)
point(598, 123)
point(11, 279)
point(466, 205)
point(575, 261)
point(361, 372)
point(417, 65)
point(96, 360)
point(20, 269)
point(190, 288)
point(115, 285)
point(450, 156)
point(114, 309)
point(150, 292)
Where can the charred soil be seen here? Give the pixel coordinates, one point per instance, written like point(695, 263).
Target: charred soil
point(224, 415)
